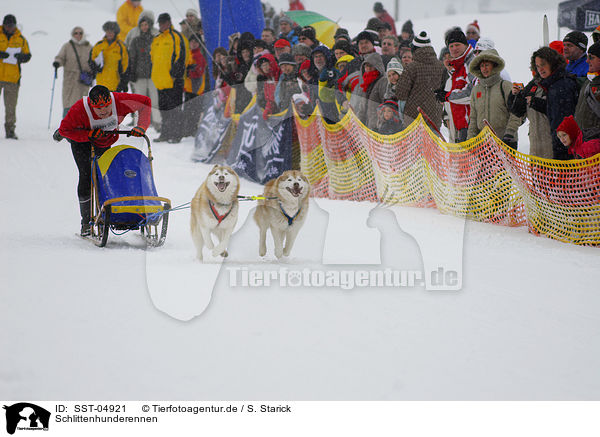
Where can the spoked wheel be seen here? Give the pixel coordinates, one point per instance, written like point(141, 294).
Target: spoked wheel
point(150, 231)
point(101, 228)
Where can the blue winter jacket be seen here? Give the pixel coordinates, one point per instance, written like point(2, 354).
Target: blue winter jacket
point(579, 67)
point(563, 92)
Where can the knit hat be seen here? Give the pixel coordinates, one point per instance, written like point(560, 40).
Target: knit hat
point(286, 19)
point(345, 58)
point(111, 26)
point(595, 49)
point(164, 17)
point(422, 40)
point(365, 35)
point(557, 46)
point(485, 43)
point(281, 42)
point(192, 12)
point(474, 26)
point(456, 35)
point(286, 58)
point(570, 127)
point(375, 24)
point(9, 19)
point(378, 7)
point(304, 66)
point(395, 65)
point(577, 38)
point(408, 28)
point(389, 104)
point(341, 33)
point(301, 49)
point(343, 45)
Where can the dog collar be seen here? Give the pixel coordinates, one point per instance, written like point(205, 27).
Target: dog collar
point(288, 217)
point(218, 217)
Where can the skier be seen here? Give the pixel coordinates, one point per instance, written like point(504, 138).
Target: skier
point(90, 123)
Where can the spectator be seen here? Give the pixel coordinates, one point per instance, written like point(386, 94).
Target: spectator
point(570, 136)
point(488, 44)
point(383, 15)
point(472, 31)
point(366, 43)
point(268, 36)
point(282, 46)
point(109, 59)
point(394, 71)
point(406, 34)
point(288, 84)
point(419, 80)
point(308, 37)
point(306, 102)
point(296, 5)
point(342, 34)
point(267, 83)
point(459, 95)
point(489, 99)
point(194, 86)
point(327, 94)
point(575, 46)
point(89, 124)
point(72, 57)
point(388, 118)
point(147, 16)
point(540, 138)
point(385, 30)
point(287, 32)
point(250, 81)
point(140, 63)
point(271, 18)
point(342, 48)
point(596, 35)
point(220, 73)
point(168, 53)
point(128, 15)
point(561, 91)
point(557, 46)
point(370, 92)
point(10, 72)
point(407, 58)
point(301, 52)
point(191, 25)
point(587, 112)
point(239, 70)
point(389, 49)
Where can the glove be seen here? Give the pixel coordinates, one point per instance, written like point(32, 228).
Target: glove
point(55, 64)
point(510, 141)
point(122, 87)
point(96, 134)
point(22, 57)
point(190, 68)
point(137, 132)
point(3, 55)
point(56, 136)
point(440, 95)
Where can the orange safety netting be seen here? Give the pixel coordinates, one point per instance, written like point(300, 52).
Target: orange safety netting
point(481, 179)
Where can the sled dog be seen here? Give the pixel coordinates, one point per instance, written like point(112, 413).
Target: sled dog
point(283, 211)
point(215, 210)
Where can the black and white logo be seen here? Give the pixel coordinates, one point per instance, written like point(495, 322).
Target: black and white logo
point(592, 19)
point(26, 417)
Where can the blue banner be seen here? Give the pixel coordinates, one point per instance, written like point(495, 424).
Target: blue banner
point(262, 149)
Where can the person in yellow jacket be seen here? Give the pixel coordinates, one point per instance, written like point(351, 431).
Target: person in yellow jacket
point(169, 52)
point(14, 51)
point(128, 16)
point(109, 59)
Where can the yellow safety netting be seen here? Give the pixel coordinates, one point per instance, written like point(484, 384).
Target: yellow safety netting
point(481, 179)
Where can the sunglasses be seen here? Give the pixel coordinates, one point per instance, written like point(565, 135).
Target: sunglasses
point(77, 33)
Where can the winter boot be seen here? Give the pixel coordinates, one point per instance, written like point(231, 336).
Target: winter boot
point(10, 133)
point(85, 210)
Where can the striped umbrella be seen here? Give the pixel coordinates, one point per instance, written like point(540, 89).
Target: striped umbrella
point(324, 26)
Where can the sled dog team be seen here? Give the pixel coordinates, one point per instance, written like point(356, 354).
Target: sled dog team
point(215, 208)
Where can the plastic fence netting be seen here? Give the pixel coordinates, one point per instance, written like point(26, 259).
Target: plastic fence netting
point(481, 179)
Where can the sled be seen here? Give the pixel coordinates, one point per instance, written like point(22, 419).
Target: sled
point(124, 196)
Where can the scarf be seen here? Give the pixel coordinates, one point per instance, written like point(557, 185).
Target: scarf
point(368, 79)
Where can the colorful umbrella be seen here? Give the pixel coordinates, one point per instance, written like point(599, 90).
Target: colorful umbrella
point(324, 26)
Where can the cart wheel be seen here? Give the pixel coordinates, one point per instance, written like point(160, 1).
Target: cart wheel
point(150, 232)
point(101, 230)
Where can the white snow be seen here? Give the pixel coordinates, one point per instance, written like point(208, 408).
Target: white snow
point(80, 322)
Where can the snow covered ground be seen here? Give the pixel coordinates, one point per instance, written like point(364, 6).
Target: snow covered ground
point(81, 322)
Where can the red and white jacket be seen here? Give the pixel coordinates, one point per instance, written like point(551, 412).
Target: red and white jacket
point(459, 95)
point(76, 124)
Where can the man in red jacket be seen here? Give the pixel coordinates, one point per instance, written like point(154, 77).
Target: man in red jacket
point(91, 122)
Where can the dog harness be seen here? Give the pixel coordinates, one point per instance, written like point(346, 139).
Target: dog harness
point(289, 218)
point(218, 217)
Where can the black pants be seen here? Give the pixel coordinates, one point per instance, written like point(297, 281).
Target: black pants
point(82, 153)
point(170, 104)
point(194, 106)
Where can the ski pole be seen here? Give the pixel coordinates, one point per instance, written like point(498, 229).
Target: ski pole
point(52, 97)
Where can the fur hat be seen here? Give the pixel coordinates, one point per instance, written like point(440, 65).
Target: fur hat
point(488, 55)
point(422, 40)
point(192, 12)
point(286, 19)
point(301, 49)
point(570, 127)
point(111, 26)
point(395, 65)
point(577, 38)
point(456, 35)
point(365, 35)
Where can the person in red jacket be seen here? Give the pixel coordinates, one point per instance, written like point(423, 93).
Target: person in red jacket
point(570, 135)
point(296, 5)
point(384, 16)
point(91, 122)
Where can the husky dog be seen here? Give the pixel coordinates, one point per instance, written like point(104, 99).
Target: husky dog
point(215, 210)
point(283, 211)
